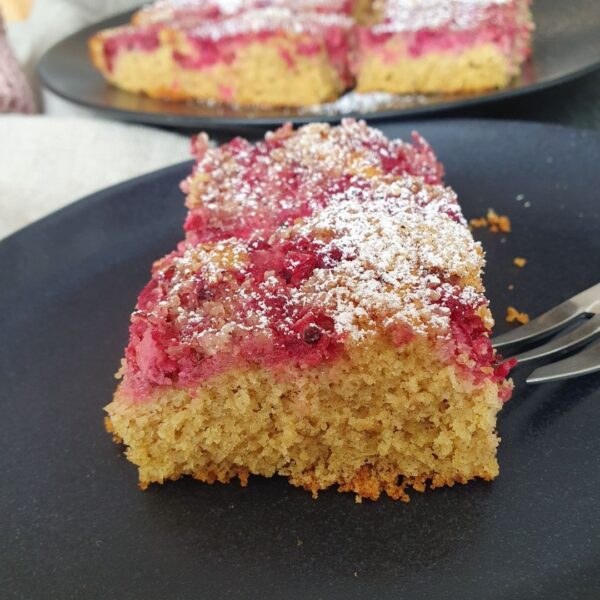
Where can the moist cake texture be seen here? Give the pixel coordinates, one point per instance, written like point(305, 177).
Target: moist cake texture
point(324, 320)
point(284, 53)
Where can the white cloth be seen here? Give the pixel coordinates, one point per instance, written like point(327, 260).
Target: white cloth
point(48, 162)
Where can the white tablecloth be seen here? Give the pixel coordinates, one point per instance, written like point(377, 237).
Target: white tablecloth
point(48, 162)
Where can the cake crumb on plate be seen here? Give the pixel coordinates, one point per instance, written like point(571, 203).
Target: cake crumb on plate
point(493, 221)
point(514, 315)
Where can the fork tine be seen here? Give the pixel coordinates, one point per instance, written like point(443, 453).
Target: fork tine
point(553, 320)
point(575, 338)
point(583, 363)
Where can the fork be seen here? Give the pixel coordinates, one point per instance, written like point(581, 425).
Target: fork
point(583, 308)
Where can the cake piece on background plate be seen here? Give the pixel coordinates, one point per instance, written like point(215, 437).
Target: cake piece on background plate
point(428, 46)
point(262, 57)
point(342, 340)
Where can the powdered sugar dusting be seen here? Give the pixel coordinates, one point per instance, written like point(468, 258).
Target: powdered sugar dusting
point(397, 246)
point(240, 188)
point(269, 19)
point(357, 102)
point(301, 244)
point(413, 15)
point(393, 239)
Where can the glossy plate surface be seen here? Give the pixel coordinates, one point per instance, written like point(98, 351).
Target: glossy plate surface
point(566, 44)
point(74, 524)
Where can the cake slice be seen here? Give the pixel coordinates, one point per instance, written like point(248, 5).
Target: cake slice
point(453, 46)
point(262, 57)
point(345, 341)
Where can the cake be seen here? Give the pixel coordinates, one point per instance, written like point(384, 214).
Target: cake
point(324, 320)
point(286, 53)
point(450, 46)
point(265, 56)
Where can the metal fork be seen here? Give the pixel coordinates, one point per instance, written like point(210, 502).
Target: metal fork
point(584, 307)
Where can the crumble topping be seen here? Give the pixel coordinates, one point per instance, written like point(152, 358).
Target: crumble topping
point(306, 242)
point(387, 255)
point(395, 257)
point(392, 241)
point(242, 189)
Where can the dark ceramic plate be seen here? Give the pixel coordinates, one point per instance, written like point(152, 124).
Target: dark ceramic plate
point(74, 524)
point(566, 44)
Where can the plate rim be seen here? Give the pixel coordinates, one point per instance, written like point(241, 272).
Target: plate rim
point(235, 121)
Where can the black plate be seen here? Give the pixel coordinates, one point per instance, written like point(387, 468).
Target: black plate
point(566, 45)
point(74, 524)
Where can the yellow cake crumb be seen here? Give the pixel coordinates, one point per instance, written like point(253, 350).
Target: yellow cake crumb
point(493, 221)
point(498, 222)
point(519, 262)
point(478, 223)
point(512, 315)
